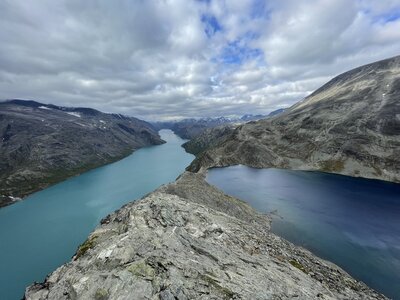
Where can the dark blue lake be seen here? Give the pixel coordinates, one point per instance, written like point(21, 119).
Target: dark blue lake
point(42, 232)
point(352, 222)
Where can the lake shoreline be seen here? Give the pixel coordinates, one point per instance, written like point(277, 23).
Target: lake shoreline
point(186, 229)
point(10, 200)
point(192, 188)
point(44, 231)
point(315, 210)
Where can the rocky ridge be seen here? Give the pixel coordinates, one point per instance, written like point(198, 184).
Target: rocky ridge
point(42, 144)
point(187, 240)
point(349, 126)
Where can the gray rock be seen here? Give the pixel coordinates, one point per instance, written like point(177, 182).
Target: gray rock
point(178, 243)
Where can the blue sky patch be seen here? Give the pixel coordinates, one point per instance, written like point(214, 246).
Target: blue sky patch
point(393, 16)
point(383, 18)
point(237, 52)
point(259, 9)
point(211, 23)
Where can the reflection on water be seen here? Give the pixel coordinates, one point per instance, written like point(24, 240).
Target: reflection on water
point(353, 222)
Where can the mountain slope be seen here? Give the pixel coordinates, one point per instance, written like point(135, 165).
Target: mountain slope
point(350, 126)
point(43, 144)
point(208, 138)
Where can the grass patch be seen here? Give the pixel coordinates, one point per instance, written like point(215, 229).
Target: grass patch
point(298, 265)
point(141, 269)
point(88, 244)
point(101, 294)
point(225, 292)
point(332, 165)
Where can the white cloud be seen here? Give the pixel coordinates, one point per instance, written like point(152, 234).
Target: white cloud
point(157, 59)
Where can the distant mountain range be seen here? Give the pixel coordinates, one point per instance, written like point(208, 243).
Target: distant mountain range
point(41, 144)
point(191, 128)
point(351, 126)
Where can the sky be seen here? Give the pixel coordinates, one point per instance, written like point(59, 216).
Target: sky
point(168, 59)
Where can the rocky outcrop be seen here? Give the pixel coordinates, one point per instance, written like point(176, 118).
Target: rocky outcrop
point(209, 138)
point(43, 144)
point(350, 126)
point(188, 240)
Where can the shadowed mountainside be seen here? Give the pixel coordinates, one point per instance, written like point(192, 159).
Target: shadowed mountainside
point(44, 144)
point(350, 126)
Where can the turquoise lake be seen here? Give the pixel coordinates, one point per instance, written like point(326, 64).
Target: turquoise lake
point(42, 232)
point(352, 222)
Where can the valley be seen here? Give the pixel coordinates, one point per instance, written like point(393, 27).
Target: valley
point(205, 150)
point(189, 240)
point(45, 230)
point(41, 144)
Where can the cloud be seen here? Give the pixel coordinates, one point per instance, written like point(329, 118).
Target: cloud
point(178, 58)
